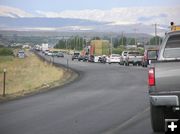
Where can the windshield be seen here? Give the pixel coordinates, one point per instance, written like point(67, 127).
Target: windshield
point(76, 54)
point(172, 48)
point(152, 54)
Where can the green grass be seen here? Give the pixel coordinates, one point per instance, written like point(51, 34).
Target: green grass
point(28, 74)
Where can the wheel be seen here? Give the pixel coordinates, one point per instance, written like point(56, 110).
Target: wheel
point(109, 62)
point(157, 118)
point(124, 63)
point(142, 64)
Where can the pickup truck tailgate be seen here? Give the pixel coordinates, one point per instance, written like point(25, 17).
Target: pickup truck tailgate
point(167, 77)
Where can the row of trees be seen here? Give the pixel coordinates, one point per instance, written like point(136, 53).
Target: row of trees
point(132, 41)
point(78, 43)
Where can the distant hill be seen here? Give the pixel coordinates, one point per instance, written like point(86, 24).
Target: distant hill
point(70, 25)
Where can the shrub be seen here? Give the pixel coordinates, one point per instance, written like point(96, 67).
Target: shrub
point(6, 52)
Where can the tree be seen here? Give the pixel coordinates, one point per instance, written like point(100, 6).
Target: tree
point(115, 42)
point(155, 40)
point(96, 38)
point(132, 41)
point(76, 43)
point(123, 41)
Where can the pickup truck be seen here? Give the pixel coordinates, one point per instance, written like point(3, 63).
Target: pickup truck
point(122, 58)
point(164, 82)
point(133, 57)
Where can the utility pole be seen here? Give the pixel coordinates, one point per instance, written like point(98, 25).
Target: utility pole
point(4, 83)
point(111, 44)
point(155, 31)
point(122, 41)
point(135, 31)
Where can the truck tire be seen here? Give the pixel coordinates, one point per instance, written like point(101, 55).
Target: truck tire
point(157, 118)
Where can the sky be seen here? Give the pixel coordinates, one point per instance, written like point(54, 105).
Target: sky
point(60, 5)
point(117, 12)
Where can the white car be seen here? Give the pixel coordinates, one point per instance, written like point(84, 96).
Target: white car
point(50, 53)
point(96, 58)
point(114, 58)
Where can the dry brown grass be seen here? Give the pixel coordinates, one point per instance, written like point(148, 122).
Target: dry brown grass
point(26, 75)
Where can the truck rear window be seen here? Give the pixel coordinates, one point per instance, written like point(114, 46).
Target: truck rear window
point(172, 49)
point(134, 54)
point(152, 54)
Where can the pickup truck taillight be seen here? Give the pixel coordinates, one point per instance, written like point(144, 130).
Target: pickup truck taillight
point(151, 76)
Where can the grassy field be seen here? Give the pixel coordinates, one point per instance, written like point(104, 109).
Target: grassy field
point(28, 74)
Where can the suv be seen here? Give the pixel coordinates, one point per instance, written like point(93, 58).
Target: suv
point(75, 56)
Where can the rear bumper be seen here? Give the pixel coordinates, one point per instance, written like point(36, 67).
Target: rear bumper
point(164, 100)
point(114, 61)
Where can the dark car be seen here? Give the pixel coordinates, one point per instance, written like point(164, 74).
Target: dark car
point(91, 58)
point(80, 58)
point(102, 59)
point(83, 58)
point(60, 54)
point(54, 53)
point(75, 56)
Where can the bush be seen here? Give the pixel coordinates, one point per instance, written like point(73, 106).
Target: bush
point(6, 52)
point(118, 50)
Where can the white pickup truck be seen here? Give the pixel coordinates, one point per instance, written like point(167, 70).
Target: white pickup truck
point(133, 57)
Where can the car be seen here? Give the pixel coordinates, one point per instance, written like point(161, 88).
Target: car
point(75, 55)
point(46, 52)
point(102, 59)
point(83, 58)
point(60, 54)
point(134, 58)
point(91, 58)
point(21, 54)
point(96, 59)
point(54, 53)
point(80, 58)
point(49, 53)
point(114, 58)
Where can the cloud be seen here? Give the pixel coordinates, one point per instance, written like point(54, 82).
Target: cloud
point(118, 16)
point(7, 11)
point(114, 16)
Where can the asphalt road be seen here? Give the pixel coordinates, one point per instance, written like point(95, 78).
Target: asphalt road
point(105, 99)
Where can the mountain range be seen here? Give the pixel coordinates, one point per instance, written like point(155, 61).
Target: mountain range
point(73, 25)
